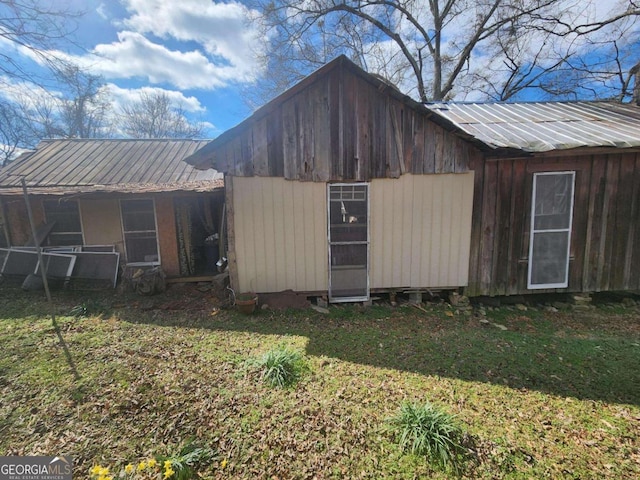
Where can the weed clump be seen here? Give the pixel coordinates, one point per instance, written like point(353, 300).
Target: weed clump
point(281, 367)
point(426, 430)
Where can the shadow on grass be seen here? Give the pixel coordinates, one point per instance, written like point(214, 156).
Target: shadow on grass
point(592, 356)
point(560, 354)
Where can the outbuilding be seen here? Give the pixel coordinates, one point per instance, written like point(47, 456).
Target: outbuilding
point(344, 186)
point(135, 197)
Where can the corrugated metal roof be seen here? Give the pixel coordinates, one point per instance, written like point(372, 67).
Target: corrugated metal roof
point(116, 165)
point(545, 126)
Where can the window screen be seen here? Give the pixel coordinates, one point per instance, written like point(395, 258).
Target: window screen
point(67, 228)
point(139, 228)
point(551, 217)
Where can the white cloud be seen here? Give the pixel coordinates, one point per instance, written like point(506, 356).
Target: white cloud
point(135, 56)
point(123, 96)
point(211, 45)
point(220, 28)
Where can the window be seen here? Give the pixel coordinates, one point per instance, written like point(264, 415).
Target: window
point(139, 229)
point(65, 217)
point(551, 218)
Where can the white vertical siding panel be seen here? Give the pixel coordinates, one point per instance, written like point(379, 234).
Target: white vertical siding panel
point(267, 235)
point(406, 235)
point(277, 215)
point(397, 229)
point(259, 266)
point(420, 231)
point(376, 231)
point(435, 251)
point(424, 234)
point(466, 211)
point(445, 233)
point(417, 222)
point(295, 254)
point(280, 234)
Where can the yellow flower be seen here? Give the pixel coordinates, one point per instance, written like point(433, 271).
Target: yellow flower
point(104, 471)
point(96, 470)
point(128, 469)
point(151, 462)
point(223, 463)
point(168, 472)
point(142, 466)
point(167, 464)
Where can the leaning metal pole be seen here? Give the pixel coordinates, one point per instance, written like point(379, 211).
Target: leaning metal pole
point(45, 282)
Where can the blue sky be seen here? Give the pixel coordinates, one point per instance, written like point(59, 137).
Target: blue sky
point(200, 52)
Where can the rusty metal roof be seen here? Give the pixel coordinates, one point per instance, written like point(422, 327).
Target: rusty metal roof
point(545, 126)
point(113, 165)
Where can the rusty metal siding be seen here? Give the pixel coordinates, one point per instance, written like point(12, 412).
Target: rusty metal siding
point(421, 231)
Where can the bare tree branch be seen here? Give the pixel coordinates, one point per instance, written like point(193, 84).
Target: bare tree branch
point(443, 45)
point(155, 116)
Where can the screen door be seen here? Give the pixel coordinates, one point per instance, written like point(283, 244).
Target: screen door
point(348, 242)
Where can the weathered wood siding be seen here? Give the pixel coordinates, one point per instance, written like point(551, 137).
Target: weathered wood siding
point(420, 231)
point(605, 238)
point(342, 128)
point(279, 235)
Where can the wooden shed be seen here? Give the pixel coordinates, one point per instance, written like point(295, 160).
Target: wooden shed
point(556, 196)
point(342, 185)
point(137, 196)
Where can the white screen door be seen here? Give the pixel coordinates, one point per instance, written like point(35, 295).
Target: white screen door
point(551, 218)
point(348, 205)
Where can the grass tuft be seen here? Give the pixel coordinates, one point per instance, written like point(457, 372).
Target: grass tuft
point(281, 367)
point(426, 430)
point(187, 461)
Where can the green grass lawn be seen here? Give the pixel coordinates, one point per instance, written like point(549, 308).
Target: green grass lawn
point(556, 395)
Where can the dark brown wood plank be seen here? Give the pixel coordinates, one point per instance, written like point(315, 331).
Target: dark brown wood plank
point(418, 139)
point(290, 139)
point(592, 262)
point(609, 221)
point(335, 127)
point(634, 244)
point(623, 235)
point(579, 237)
point(407, 126)
point(517, 219)
point(439, 149)
point(260, 150)
point(477, 165)
point(393, 138)
point(275, 143)
point(489, 219)
point(448, 152)
point(501, 240)
point(379, 137)
point(322, 139)
point(350, 98)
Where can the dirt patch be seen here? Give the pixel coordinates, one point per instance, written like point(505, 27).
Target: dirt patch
point(283, 300)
